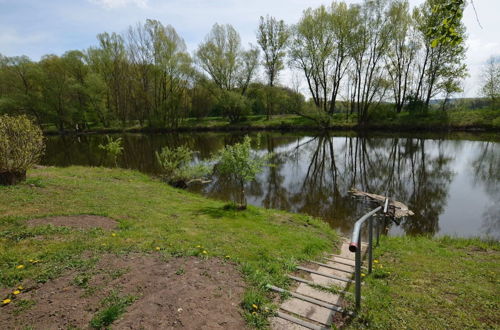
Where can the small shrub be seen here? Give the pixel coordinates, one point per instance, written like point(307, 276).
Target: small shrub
point(21, 146)
point(178, 168)
point(241, 163)
point(113, 147)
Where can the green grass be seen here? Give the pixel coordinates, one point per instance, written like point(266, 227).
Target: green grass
point(423, 283)
point(265, 243)
point(113, 307)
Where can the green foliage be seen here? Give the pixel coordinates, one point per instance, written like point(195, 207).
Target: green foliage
point(177, 165)
point(233, 105)
point(447, 30)
point(21, 143)
point(113, 147)
point(113, 307)
point(241, 163)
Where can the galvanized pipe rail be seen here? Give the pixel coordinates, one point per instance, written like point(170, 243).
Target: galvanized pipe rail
point(355, 246)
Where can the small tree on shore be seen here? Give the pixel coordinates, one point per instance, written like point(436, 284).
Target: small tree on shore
point(114, 148)
point(21, 146)
point(242, 164)
point(178, 168)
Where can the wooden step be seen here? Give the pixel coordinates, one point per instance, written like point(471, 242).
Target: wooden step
point(312, 271)
point(308, 310)
point(313, 284)
point(334, 266)
point(294, 323)
point(308, 299)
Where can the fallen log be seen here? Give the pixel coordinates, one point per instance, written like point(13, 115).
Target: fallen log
point(400, 209)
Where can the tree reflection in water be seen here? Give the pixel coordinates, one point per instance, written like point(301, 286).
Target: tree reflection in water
point(313, 174)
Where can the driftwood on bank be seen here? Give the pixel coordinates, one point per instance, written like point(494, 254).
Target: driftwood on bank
point(400, 209)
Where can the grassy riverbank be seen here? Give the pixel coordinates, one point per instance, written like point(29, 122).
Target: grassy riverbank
point(457, 120)
point(264, 243)
point(418, 282)
point(442, 283)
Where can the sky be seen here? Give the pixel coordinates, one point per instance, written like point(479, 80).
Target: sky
point(35, 27)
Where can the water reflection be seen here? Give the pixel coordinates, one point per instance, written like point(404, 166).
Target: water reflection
point(313, 174)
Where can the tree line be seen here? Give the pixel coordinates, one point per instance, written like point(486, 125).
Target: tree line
point(351, 58)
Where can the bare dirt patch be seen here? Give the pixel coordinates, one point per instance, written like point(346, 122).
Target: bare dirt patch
point(76, 221)
point(187, 293)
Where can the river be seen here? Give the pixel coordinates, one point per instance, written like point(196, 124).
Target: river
point(450, 181)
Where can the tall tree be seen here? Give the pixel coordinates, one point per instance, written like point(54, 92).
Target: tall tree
point(272, 36)
point(221, 56)
point(402, 51)
point(490, 77)
point(370, 44)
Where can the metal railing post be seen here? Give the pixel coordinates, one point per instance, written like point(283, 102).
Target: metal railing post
point(355, 246)
point(358, 276)
point(370, 245)
point(378, 232)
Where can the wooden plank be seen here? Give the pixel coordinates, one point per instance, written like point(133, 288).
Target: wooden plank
point(332, 267)
point(324, 274)
point(301, 322)
point(310, 300)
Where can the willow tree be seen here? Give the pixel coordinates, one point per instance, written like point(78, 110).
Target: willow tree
point(320, 49)
point(109, 61)
point(402, 50)
point(221, 56)
point(370, 42)
point(272, 36)
point(162, 69)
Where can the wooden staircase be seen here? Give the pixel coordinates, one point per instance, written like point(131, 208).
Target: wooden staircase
point(312, 304)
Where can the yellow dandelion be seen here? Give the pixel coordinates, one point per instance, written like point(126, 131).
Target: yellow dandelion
point(375, 261)
point(6, 301)
point(255, 306)
point(19, 266)
point(16, 292)
point(227, 257)
point(205, 252)
point(363, 275)
point(157, 248)
point(254, 313)
point(113, 234)
point(198, 246)
point(20, 287)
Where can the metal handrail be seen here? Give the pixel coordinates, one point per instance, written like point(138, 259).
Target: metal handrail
point(355, 246)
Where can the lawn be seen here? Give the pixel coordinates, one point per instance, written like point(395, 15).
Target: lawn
point(418, 282)
point(264, 243)
point(440, 283)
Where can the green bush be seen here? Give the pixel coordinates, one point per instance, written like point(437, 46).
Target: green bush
point(21, 146)
point(242, 164)
point(114, 148)
point(178, 168)
point(233, 106)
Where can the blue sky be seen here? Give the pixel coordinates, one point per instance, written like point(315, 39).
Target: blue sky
point(38, 27)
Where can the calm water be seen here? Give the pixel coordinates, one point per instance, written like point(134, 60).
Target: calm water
point(451, 183)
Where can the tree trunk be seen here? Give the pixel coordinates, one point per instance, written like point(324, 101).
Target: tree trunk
point(12, 178)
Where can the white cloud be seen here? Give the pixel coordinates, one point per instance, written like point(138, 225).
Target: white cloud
point(112, 4)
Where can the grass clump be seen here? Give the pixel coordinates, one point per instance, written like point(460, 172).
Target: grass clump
point(113, 307)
